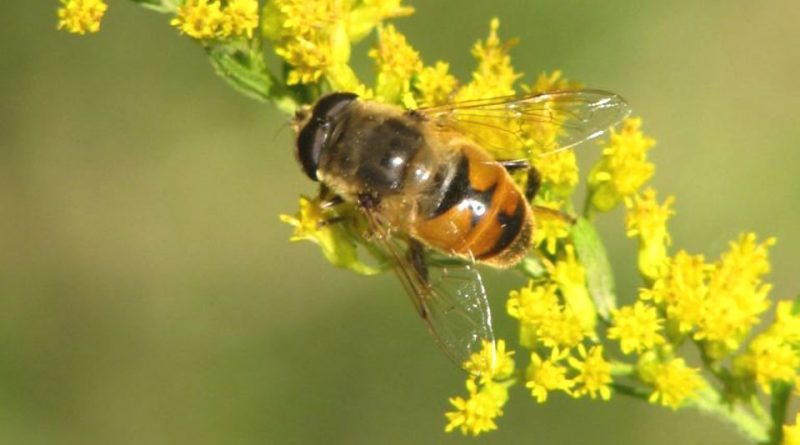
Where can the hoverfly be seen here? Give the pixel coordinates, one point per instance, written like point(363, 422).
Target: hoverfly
point(429, 189)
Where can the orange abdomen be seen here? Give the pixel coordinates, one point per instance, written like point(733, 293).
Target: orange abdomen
point(481, 215)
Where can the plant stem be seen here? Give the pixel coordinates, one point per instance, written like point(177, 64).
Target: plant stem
point(708, 400)
point(780, 399)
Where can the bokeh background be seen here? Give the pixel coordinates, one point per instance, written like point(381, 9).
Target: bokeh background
point(148, 293)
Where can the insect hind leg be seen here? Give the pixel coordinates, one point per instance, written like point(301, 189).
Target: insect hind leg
point(534, 178)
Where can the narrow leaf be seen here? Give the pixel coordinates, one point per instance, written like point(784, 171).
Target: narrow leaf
point(599, 275)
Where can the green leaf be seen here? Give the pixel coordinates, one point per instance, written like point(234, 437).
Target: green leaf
point(599, 275)
point(242, 69)
point(165, 6)
point(780, 399)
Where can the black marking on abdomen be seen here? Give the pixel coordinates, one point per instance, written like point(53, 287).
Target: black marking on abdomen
point(455, 190)
point(511, 225)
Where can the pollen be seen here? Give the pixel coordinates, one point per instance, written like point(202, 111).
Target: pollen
point(636, 327)
point(81, 16)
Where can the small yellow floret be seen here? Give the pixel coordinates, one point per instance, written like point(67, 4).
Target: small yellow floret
point(636, 327)
point(647, 219)
point(493, 362)
point(623, 168)
point(435, 84)
point(545, 375)
point(81, 16)
point(397, 62)
point(240, 18)
point(594, 373)
point(477, 414)
point(791, 433)
point(674, 382)
point(199, 19)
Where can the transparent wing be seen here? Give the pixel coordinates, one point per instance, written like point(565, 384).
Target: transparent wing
point(516, 126)
point(448, 295)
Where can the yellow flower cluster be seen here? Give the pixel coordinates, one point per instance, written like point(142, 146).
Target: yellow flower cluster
point(772, 355)
point(547, 325)
point(647, 219)
point(210, 19)
point(397, 62)
point(673, 382)
point(717, 303)
point(314, 38)
point(81, 16)
point(623, 168)
point(491, 373)
point(312, 223)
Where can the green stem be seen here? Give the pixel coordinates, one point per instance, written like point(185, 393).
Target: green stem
point(708, 400)
point(780, 399)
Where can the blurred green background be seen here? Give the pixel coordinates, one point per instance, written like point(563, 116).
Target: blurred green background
point(148, 293)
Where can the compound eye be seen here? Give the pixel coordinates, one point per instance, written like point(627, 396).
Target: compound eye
point(328, 107)
point(309, 146)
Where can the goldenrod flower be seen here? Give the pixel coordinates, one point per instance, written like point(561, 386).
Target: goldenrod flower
point(199, 19)
point(647, 219)
point(594, 373)
point(532, 303)
point(435, 84)
point(493, 362)
point(673, 382)
point(397, 62)
point(545, 375)
point(570, 276)
point(736, 294)
point(312, 224)
point(476, 414)
point(550, 228)
point(636, 327)
point(81, 16)
point(554, 81)
point(240, 18)
point(558, 170)
point(494, 76)
point(769, 358)
point(623, 167)
point(542, 319)
point(314, 36)
point(791, 433)
point(682, 289)
point(787, 323)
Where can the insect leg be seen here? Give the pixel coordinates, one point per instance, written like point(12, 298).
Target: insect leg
point(534, 179)
point(553, 213)
point(416, 256)
point(533, 183)
point(513, 165)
